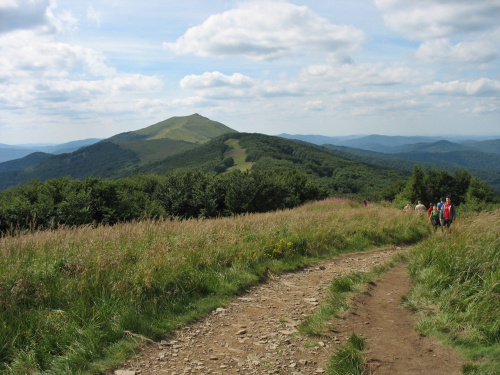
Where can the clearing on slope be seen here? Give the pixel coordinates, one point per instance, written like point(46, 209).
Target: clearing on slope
point(239, 155)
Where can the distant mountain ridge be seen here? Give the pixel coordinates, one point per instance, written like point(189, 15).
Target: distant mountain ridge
point(197, 142)
point(401, 144)
point(480, 158)
point(12, 152)
point(25, 162)
point(438, 147)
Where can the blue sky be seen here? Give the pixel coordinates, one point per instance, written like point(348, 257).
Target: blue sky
point(72, 69)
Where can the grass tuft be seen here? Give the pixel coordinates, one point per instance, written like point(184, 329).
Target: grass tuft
point(347, 360)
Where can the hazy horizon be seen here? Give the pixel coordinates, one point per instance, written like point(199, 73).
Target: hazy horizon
point(477, 137)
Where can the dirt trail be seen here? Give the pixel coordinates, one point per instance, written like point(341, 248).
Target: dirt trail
point(256, 333)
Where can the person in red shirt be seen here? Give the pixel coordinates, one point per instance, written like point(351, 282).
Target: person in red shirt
point(431, 208)
point(448, 213)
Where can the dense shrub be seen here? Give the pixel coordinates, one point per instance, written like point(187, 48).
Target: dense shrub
point(181, 193)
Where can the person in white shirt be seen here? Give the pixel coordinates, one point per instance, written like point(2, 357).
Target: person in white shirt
point(420, 207)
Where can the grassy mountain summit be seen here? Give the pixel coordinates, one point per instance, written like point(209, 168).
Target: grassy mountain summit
point(194, 128)
point(170, 136)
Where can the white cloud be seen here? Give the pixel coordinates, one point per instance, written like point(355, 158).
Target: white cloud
point(23, 14)
point(63, 21)
point(441, 50)
point(265, 30)
point(381, 103)
point(325, 79)
point(215, 85)
point(366, 74)
point(215, 79)
point(93, 15)
point(487, 108)
point(315, 105)
point(35, 93)
point(29, 56)
point(482, 87)
point(41, 15)
point(424, 19)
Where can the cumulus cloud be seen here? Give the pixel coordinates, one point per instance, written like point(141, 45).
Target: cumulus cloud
point(441, 50)
point(216, 85)
point(265, 30)
point(37, 71)
point(482, 87)
point(324, 79)
point(427, 19)
point(30, 56)
point(78, 91)
point(215, 79)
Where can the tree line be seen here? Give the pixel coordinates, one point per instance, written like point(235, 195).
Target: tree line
point(430, 185)
point(180, 193)
point(185, 193)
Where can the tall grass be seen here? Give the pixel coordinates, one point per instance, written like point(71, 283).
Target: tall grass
point(68, 297)
point(458, 288)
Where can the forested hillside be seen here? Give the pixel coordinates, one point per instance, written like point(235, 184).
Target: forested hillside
point(24, 162)
point(114, 156)
point(103, 159)
point(335, 174)
point(484, 166)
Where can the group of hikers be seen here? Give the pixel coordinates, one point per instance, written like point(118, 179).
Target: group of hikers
point(441, 214)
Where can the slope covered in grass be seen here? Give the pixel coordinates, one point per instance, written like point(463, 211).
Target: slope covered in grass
point(457, 288)
point(69, 295)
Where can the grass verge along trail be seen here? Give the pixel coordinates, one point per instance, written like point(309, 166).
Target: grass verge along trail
point(68, 297)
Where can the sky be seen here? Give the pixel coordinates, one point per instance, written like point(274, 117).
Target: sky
point(71, 70)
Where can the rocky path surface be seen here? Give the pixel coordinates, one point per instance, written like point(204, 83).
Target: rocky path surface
point(257, 332)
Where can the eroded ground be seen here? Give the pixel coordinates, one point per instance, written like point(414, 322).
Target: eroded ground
point(256, 333)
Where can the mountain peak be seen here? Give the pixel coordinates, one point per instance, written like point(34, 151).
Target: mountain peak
point(194, 129)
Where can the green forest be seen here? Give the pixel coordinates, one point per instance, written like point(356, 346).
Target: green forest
point(185, 193)
point(181, 194)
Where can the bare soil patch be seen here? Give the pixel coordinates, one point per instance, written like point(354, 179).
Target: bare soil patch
point(391, 342)
point(257, 334)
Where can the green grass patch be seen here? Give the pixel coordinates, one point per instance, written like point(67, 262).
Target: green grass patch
point(239, 156)
point(68, 297)
point(348, 359)
point(457, 289)
point(156, 149)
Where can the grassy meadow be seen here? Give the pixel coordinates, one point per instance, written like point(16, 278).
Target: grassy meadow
point(74, 300)
point(457, 289)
